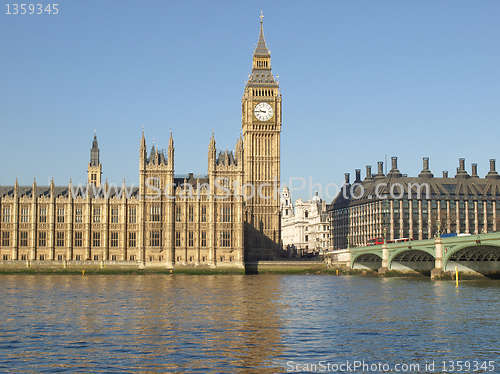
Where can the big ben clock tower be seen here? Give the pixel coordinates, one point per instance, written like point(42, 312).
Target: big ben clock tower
point(261, 124)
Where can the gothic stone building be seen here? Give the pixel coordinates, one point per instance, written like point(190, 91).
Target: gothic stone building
point(223, 219)
point(403, 207)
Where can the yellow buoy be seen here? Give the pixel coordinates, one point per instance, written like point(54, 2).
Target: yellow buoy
point(456, 275)
point(83, 272)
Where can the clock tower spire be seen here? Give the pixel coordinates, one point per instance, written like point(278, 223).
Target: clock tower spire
point(261, 124)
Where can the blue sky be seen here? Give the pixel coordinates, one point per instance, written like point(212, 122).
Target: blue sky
point(361, 80)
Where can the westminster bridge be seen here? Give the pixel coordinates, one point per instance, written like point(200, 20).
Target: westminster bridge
point(468, 253)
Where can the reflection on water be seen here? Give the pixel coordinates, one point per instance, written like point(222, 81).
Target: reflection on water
point(239, 324)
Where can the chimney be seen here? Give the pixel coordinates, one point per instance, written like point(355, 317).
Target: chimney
point(347, 178)
point(474, 170)
point(368, 172)
point(426, 173)
point(445, 174)
point(426, 163)
point(394, 170)
point(358, 175)
point(461, 173)
point(462, 164)
point(394, 160)
point(380, 173)
point(492, 173)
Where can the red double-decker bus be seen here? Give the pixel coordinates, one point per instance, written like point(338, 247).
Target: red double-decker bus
point(375, 241)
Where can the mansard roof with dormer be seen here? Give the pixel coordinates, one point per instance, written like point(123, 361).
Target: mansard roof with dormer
point(460, 187)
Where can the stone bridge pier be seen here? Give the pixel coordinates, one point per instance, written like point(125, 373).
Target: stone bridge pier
point(438, 270)
point(385, 259)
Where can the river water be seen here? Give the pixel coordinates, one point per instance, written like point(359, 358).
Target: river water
point(246, 324)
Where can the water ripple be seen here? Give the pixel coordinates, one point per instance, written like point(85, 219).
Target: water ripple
point(238, 324)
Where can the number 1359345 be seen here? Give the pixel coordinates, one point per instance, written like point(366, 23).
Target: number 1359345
point(32, 9)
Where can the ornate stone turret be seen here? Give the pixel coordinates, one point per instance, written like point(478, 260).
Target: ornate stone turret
point(106, 186)
point(124, 189)
point(94, 169)
point(238, 150)
point(143, 154)
point(286, 203)
point(212, 154)
point(53, 189)
point(33, 189)
point(170, 152)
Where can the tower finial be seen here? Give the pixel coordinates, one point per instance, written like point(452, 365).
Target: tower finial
point(171, 141)
point(261, 17)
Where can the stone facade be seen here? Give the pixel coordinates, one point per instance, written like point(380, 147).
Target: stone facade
point(305, 225)
point(166, 221)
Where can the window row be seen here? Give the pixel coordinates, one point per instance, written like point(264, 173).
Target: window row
point(42, 240)
point(155, 239)
point(61, 217)
point(155, 214)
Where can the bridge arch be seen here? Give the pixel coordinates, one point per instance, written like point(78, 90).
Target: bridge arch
point(420, 259)
point(367, 260)
point(477, 257)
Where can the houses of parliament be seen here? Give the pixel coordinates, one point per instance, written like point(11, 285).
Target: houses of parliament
point(224, 219)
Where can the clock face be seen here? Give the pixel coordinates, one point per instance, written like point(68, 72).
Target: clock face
point(263, 111)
